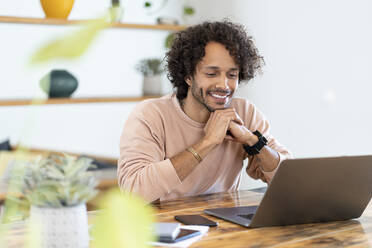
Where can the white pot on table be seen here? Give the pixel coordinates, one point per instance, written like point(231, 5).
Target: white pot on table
point(61, 227)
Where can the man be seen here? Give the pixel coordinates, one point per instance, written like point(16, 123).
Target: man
point(194, 142)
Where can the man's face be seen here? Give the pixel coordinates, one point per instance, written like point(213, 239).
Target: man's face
point(216, 78)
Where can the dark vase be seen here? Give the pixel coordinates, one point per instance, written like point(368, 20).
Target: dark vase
point(59, 83)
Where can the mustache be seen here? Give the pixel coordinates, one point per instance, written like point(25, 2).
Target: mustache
point(227, 92)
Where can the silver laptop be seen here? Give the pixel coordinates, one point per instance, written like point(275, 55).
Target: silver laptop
point(307, 191)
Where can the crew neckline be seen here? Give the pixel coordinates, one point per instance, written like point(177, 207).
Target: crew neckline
point(183, 115)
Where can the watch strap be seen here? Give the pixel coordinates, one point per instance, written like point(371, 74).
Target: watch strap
point(256, 148)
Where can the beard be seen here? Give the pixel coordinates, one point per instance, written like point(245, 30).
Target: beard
point(201, 96)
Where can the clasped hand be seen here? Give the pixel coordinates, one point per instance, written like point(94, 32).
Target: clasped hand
point(223, 120)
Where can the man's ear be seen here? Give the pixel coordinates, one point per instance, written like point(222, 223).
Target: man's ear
point(188, 81)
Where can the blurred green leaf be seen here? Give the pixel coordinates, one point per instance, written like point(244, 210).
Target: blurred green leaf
point(188, 10)
point(169, 40)
point(70, 46)
point(126, 221)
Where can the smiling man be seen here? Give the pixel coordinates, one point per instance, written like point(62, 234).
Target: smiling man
point(195, 141)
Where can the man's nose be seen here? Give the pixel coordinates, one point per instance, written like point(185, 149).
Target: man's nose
point(223, 82)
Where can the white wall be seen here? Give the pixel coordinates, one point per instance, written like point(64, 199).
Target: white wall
point(316, 85)
point(317, 82)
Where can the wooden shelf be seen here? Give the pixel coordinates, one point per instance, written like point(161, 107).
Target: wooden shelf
point(21, 102)
point(51, 21)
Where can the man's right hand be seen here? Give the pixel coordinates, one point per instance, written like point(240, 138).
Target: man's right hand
point(218, 124)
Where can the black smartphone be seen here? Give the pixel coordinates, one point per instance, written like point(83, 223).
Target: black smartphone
point(195, 220)
point(182, 235)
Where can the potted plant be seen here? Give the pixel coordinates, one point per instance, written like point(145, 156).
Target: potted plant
point(116, 11)
point(57, 188)
point(153, 76)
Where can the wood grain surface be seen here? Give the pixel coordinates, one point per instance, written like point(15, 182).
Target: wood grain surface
point(54, 21)
point(351, 233)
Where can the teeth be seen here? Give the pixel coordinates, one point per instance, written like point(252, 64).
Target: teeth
point(218, 96)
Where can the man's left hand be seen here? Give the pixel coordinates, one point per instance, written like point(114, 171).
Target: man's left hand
point(241, 134)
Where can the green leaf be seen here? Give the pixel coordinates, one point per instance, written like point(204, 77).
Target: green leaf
point(188, 10)
point(169, 41)
point(58, 181)
point(70, 46)
point(129, 218)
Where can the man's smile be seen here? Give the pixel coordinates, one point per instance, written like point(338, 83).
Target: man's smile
point(220, 97)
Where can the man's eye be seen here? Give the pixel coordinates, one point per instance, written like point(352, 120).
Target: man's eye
point(211, 74)
point(233, 75)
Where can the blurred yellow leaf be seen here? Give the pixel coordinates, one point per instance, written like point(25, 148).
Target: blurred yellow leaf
point(125, 222)
point(33, 235)
point(70, 46)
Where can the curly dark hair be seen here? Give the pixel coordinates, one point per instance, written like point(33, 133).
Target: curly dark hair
point(188, 48)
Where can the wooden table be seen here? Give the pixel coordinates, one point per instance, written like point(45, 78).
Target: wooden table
point(351, 233)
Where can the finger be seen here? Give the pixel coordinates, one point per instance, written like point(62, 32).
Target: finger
point(237, 119)
point(210, 120)
point(224, 111)
point(233, 116)
point(229, 137)
point(233, 126)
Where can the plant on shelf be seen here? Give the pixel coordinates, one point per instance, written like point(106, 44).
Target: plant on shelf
point(57, 188)
point(152, 70)
point(150, 67)
point(187, 10)
point(116, 11)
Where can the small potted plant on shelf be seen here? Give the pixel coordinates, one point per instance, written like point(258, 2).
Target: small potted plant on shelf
point(154, 82)
point(57, 188)
point(116, 11)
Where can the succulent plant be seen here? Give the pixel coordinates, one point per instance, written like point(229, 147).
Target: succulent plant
point(115, 3)
point(59, 181)
point(150, 67)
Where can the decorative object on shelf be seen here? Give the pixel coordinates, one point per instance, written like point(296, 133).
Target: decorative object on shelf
point(57, 9)
point(188, 12)
point(59, 83)
point(57, 188)
point(116, 11)
point(154, 6)
point(154, 82)
point(5, 145)
point(161, 20)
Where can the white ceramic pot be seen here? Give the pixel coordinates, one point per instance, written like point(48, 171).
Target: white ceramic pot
point(156, 85)
point(61, 227)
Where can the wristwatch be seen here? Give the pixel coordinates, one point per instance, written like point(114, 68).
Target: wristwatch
point(256, 148)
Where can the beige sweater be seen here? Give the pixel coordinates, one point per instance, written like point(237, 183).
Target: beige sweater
point(158, 129)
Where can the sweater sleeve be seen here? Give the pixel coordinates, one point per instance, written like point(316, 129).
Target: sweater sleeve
point(258, 122)
point(142, 166)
